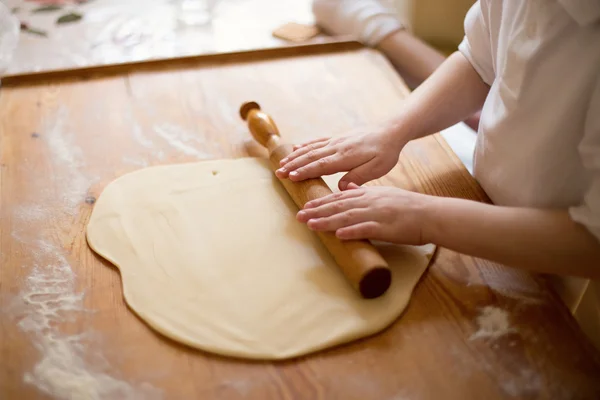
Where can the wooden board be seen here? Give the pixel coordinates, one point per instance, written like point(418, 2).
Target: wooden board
point(65, 326)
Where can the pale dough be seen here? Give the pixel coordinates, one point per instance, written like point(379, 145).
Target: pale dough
point(211, 255)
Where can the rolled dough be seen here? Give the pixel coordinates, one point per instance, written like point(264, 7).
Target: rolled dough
point(211, 255)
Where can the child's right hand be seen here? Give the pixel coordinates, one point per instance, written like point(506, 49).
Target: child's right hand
point(365, 156)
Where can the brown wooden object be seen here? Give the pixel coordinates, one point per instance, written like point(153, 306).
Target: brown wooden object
point(360, 262)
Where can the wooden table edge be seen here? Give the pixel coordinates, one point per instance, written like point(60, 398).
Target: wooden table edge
point(334, 44)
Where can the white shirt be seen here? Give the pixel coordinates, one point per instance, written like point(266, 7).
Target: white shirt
point(538, 143)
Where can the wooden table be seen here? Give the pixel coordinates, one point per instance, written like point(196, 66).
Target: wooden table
point(65, 327)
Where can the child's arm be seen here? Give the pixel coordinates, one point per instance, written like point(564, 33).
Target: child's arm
point(546, 241)
point(452, 93)
point(559, 241)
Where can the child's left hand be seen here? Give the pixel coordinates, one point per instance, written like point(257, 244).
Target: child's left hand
point(379, 213)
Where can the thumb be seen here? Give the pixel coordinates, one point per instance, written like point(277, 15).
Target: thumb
point(358, 176)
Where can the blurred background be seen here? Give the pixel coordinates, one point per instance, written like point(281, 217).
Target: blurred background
point(59, 34)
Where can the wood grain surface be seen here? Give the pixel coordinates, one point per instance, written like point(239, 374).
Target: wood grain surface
point(65, 328)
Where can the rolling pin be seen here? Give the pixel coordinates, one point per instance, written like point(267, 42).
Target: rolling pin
point(360, 262)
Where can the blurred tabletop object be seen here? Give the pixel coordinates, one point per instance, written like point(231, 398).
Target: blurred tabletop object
point(66, 34)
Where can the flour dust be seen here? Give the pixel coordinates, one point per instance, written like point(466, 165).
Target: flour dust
point(181, 140)
point(49, 296)
point(527, 384)
point(137, 162)
point(69, 158)
point(177, 138)
point(139, 136)
point(493, 323)
point(513, 283)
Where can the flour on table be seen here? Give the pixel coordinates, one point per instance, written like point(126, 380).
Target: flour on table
point(144, 141)
point(180, 140)
point(30, 213)
point(139, 136)
point(67, 155)
point(493, 323)
point(138, 162)
point(513, 283)
point(242, 387)
point(526, 384)
point(69, 364)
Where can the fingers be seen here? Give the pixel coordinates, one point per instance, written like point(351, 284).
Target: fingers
point(329, 209)
point(363, 230)
point(298, 146)
point(312, 164)
point(302, 149)
point(337, 221)
point(359, 175)
point(333, 197)
point(322, 166)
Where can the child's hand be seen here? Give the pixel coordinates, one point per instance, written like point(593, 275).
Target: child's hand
point(378, 213)
point(365, 156)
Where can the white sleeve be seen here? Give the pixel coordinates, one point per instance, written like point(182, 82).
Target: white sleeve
point(476, 45)
point(588, 213)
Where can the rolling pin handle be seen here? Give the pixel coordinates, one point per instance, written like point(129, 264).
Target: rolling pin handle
point(261, 125)
point(247, 107)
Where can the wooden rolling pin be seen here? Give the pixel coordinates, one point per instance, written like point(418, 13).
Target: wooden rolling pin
point(359, 261)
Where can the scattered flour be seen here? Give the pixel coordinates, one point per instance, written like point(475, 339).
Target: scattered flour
point(60, 142)
point(493, 323)
point(62, 373)
point(49, 296)
point(69, 157)
point(401, 396)
point(242, 387)
point(144, 141)
point(527, 384)
point(180, 140)
point(513, 283)
point(140, 137)
point(30, 213)
point(227, 112)
point(138, 162)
